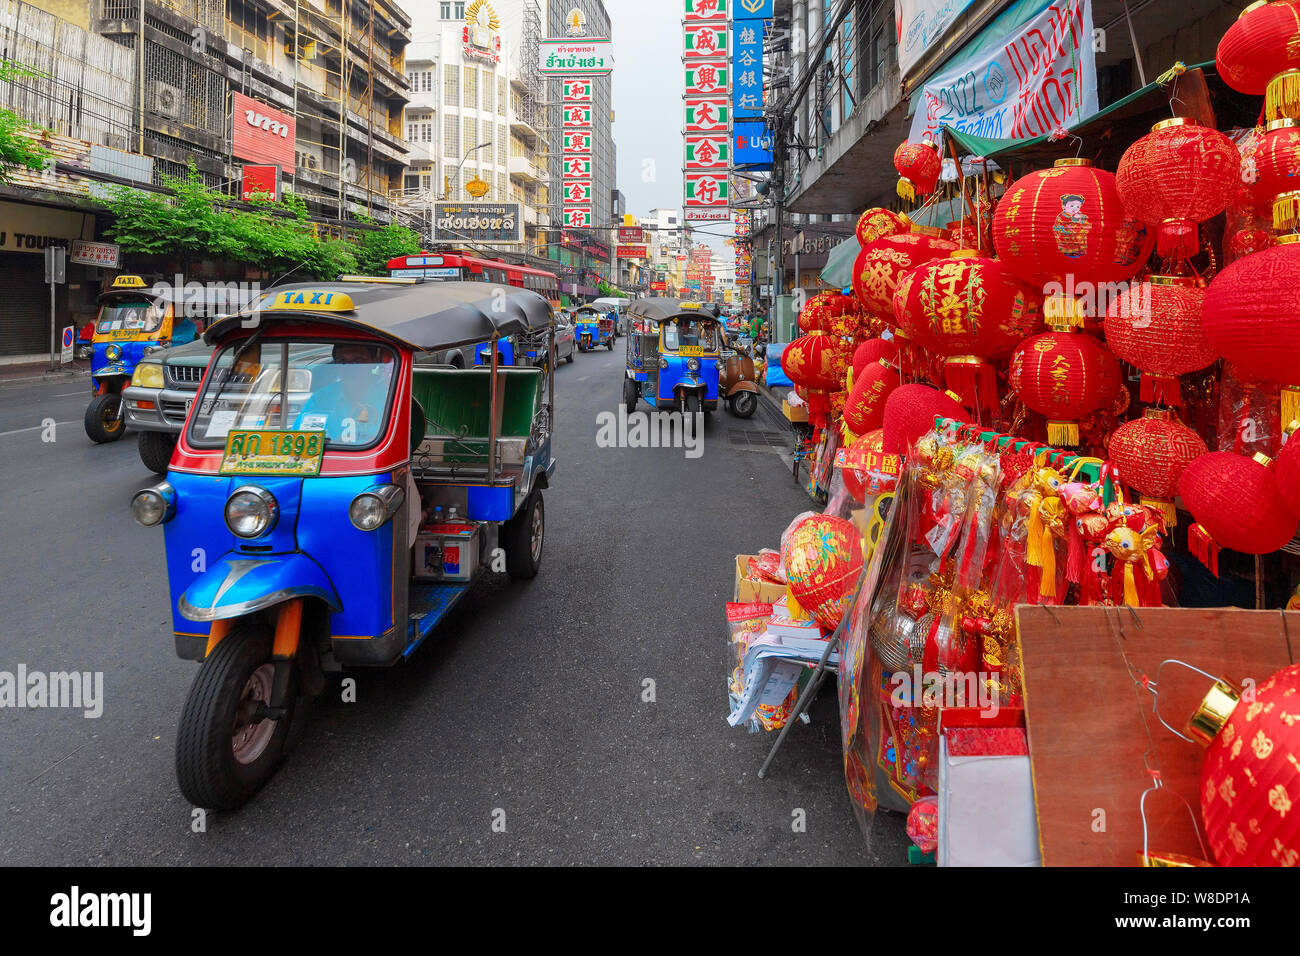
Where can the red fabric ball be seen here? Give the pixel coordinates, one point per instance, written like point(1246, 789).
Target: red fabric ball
point(880, 264)
point(864, 409)
point(877, 222)
point(1156, 327)
point(1243, 242)
point(1250, 779)
point(1251, 314)
point(1258, 46)
point(815, 361)
point(909, 413)
point(1288, 474)
point(965, 305)
point(1068, 224)
point(1178, 175)
point(872, 350)
point(1276, 163)
point(1236, 500)
point(919, 166)
point(1151, 453)
point(1063, 376)
point(923, 824)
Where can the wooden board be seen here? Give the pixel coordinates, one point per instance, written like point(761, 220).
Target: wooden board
point(1084, 715)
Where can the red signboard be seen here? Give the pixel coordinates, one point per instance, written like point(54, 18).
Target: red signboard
point(632, 252)
point(260, 179)
point(658, 286)
point(631, 234)
point(262, 134)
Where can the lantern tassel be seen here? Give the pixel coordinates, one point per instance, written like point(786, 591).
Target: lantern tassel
point(1161, 389)
point(975, 384)
point(906, 190)
point(1286, 210)
point(1282, 95)
point(1177, 239)
point(1290, 403)
point(1164, 507)
point(1063, 434)
point(1076, 556)
point(1203, 548)
point(1060, 310)
point(1131, 597)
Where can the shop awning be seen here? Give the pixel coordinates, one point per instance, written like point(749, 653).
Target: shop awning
point(838, 272)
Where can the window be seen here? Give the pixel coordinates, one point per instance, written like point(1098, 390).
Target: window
point(470, 131)
point(446, 10)
point(471, 88)
point(451, 136)
point(451, 85)
point(460, 10)
point(501, 96)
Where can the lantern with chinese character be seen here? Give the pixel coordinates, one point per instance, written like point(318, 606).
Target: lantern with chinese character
point(918, 166)
point(1250, 779)
point(1178, 175)
point(877, 222)
point(910, 411)
point(1251, 316)
point(1259, 56)
point(822, 556)
point(879, 266)
point(968, 309)
point(1156, 327)
point(1151, 453)
point(1236, 504)
point(1276, 165)
point(1060, 228)
point(1063, 375)
point(813, 317)
point(864, 409)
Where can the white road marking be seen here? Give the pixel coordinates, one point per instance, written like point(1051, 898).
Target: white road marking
point(34, 428)
point(66, 394)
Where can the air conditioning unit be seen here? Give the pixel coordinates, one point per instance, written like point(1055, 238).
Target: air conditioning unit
point(165, 100)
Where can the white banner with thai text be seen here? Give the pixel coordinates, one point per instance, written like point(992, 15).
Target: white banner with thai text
point(919, 23)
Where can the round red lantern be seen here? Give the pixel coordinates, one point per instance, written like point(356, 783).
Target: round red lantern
point(872, 350)
point(1156, 326)
point(910, 411)
point(1258, 56)
point(822, 555)
point(879, 266)
point(968, 309)
point(813, 317)
point(1063, 375)
point(844, 316)
point(1151, 453)
point(1236, 504)
point(918, 166)
point(1178, 175)
point(1250, 779)
point(1057, 228)
point(1251, 316)
point(877, 222)
point(818, 363)
point(864, 409)
point(1275, 169)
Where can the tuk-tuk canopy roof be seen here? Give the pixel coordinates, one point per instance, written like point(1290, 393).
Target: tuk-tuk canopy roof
point(424, 316)
point(661, 310)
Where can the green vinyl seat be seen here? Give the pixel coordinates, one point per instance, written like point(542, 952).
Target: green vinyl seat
point(457, 404)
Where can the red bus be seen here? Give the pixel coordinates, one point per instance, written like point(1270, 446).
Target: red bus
point(452, 266)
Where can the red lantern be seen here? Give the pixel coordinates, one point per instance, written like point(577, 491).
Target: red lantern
point(1250, 780)
point(1064, 376)
point(1236, 504)
point(879, 266)
point(918, 166)
point(1251, 316)
point(1156, 326)
point(823, 560)
point(1243, 242)
point(968, 309)
point(844, 316)
point(1057, 227)
point(817, 362)
point(864, 409)
point(854, 480)
point(1151, 453)
point(813, 317)
point(877, 222)
point(1178, 175)
point(1258, 55)
point(1276, 169)
point(910, 411)
point(872, 350)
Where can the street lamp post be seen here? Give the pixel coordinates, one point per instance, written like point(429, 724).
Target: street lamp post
point(464, 159)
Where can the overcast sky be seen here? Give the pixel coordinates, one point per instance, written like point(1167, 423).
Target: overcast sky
point(649, 83)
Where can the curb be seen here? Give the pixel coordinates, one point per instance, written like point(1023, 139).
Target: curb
point(45, 378)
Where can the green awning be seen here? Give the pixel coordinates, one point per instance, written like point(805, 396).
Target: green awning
point(838, 271)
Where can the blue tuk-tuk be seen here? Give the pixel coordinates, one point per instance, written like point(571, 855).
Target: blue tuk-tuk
point(592, 328)
point(131, 323)
point(673, 347)
point(330, 500)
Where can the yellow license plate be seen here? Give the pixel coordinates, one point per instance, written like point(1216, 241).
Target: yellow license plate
point(691, 351)
point(291, 454)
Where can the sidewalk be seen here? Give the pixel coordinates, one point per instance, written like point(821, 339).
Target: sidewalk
point(38, 373)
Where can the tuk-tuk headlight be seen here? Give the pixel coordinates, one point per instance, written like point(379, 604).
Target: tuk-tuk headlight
point(251, 511)
point(148, 375)
point(153, 506)
point(376, 505)
point(693, 365)
point(113, 353)
point(663, 363)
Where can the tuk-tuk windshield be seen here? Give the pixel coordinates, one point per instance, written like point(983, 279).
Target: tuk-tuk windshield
point(343, 389)
point(141, 316)
point(701, 333)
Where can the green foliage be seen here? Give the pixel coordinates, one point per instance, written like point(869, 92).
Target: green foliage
point(377, 246)
point(17, 150)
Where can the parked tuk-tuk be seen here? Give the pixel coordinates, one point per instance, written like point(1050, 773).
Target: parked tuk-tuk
point(673, 348)
point(592, 328)
point(130, 324)
point(340, 499)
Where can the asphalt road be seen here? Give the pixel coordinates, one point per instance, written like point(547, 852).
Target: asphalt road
point(528, 700)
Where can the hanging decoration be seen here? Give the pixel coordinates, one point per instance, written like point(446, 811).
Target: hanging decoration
point(1236, 504)
point(1063, 375)
point(1151, 453)
point(877, 222)
point(918, 166)
point(1258, 56)
point(1155, 325)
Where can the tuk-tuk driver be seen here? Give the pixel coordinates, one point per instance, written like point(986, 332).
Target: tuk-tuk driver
point(350, 408)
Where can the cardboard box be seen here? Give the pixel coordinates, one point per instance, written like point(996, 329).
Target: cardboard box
point(799, 414)
point(748, 592)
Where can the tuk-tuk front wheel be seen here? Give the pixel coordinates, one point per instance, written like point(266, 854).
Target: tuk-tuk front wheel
point(156, 451)
point(104, 419)
point(690, 403)
point(630, 395)
point(525, 534)
point(226, 749)
point(744, 404)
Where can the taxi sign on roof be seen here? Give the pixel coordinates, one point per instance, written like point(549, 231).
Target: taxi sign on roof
point(128, 282)
point(309, 300)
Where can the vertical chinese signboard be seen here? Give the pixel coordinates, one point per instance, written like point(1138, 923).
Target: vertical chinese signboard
point(706, 163)
point(576, 188)
point(747, 68)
